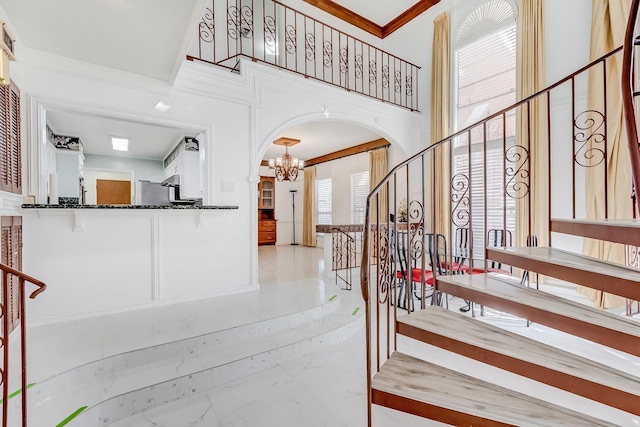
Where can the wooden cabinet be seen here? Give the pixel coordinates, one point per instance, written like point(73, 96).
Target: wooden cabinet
point(266, 193)
point(267, 225)
point(266, 231)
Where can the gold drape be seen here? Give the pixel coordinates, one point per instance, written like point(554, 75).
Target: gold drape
point(608, 22)
point(440, 110)
point(378, 169)
point(532, 209)
point(309, 208)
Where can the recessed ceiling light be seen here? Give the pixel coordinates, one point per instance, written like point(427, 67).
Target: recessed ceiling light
point(162, 107)
point(120, 144)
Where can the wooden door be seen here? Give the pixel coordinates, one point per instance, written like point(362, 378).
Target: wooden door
point(113, 192)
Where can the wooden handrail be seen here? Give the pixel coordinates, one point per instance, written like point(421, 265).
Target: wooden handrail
point(20, 275)
point(6, 313)
point(627, 97)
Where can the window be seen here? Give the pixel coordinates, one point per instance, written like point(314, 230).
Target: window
point(484, 83)
point(323, 201)
point(359, 193)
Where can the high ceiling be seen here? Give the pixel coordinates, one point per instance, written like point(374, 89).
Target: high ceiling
point(380, 12)
point(150, 38)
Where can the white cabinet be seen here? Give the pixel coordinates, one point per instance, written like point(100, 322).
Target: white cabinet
point(184, 160)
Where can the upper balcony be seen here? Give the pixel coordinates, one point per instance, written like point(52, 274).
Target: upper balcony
point(270, 32)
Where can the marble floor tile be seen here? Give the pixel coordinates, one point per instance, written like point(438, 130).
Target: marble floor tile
point(324, 389)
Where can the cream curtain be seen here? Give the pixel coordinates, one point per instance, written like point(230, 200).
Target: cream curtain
point(309, 207)
point(532, 208)
point(608, 22)
point(440, 110)
point(378, 169)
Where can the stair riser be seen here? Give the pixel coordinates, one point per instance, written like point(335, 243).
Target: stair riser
point(590, 390)
point(602, 282)
point(609, 337)
point(432, 412)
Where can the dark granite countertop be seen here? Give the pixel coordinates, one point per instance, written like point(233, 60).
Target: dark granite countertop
point(66, 206)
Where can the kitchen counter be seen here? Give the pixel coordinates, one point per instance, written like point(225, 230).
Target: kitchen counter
point(45, 206)
point(111, 258)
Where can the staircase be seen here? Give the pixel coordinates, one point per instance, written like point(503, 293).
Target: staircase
point(415, 385)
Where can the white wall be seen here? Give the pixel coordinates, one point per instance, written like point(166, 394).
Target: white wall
point(67, 168)
point(143, 169)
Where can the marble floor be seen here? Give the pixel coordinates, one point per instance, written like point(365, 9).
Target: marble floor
point(326, 388)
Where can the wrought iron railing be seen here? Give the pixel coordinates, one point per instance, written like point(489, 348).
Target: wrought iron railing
point(502, 168)
point(270, 32)
point(630, 65)
point(13, 306)
point(343, 255)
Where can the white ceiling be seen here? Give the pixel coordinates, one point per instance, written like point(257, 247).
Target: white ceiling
point(322, 137)
point(147, 141)
point(145, 37)
point(150, 38)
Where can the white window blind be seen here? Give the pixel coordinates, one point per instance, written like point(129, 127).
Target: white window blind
point(485, 83)
point(323, 201)
point(359, 193)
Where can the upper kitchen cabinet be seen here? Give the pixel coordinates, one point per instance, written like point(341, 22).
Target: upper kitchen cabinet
point(184, 161)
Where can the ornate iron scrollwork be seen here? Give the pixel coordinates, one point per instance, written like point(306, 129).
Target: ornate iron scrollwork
point(206, 29)
point(397, 80)
point(240, 22)
point(344, 60)
point(310, 47)
point(460, 200)
point(327, 57)
point(516, 172)
point(409, 86)
point(373, 73)
point(290, 39)
point(385, 76)
point(415, 214)
point(384, 263)
point(590, 133)
point(270, 32)
point(359, 66)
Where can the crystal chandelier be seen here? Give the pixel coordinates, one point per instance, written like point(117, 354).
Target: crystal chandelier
point(286, 167)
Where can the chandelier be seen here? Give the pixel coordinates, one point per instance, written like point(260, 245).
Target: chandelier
point(286, 167)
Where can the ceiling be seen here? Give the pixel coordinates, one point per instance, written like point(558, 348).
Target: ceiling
point(150, 38)
point(380, 12)
point(146, 140)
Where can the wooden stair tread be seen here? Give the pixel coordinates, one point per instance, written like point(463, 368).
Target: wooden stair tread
point(625, 231)
point(428, 390)
point(596, 325)
point(580, 269)
point(521, 355)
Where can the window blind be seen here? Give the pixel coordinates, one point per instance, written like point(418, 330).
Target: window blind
point(323, 201)
point(485, 82)
point(359, 193)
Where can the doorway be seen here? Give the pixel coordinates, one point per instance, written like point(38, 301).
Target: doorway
point(92, 176)
point(113, 192)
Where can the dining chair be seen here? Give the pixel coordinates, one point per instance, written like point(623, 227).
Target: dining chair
point(414, 278)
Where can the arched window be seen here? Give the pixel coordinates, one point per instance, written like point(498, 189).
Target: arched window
point(484, 79)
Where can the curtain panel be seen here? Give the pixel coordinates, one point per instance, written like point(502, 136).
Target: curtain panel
point(309, 208)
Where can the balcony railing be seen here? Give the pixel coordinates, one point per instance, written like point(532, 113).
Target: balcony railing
point(270, 32)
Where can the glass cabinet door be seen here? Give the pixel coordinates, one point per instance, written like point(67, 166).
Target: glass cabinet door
point(267, 194)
